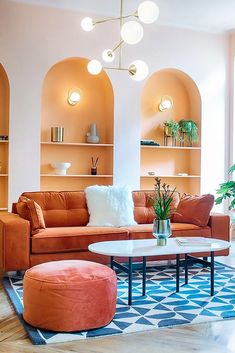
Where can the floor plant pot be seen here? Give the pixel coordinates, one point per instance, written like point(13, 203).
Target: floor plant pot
point(162, 230)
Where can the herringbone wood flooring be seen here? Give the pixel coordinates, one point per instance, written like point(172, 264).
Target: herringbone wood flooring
point(216, 337)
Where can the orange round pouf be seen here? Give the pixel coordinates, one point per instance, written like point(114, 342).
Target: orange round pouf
point(69, 295)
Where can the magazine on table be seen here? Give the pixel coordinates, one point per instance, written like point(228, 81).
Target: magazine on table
point(194, 241)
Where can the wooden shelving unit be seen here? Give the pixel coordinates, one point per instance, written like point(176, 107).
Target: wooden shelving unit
point(4, 131)
point(167, 162)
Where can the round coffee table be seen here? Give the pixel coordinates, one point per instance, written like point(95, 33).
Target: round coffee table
point(148, 247)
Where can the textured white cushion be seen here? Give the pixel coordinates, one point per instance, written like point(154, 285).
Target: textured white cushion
point(110, 206)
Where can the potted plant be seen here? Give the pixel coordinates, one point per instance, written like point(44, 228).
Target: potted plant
point(189, 129)
point(161, 202)
point(227, 191)
point(171, 129)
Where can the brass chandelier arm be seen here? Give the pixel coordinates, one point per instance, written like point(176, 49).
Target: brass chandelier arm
point(118, 45)
point(115, 18)
point(115, 68)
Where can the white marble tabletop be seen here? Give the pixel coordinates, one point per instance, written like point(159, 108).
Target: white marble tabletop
point(148, 247)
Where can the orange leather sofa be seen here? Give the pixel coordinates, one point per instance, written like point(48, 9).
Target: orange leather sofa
point(67, 237)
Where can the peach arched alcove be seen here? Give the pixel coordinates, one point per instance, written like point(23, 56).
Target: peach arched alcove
point(95, 106)
point(4, 130)
point(169, 162)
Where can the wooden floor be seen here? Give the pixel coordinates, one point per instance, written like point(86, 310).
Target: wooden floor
point(216, 337)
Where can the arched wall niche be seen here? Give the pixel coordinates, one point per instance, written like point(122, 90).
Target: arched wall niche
point(170, 162)
point(4, 131)
point(95, 106)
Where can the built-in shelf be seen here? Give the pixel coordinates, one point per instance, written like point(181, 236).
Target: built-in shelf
point(78, 144)
point(171, 147)
point(3, 175)
point(170, 176)
point(3, 209)
point(3, 141)
point(78, 175)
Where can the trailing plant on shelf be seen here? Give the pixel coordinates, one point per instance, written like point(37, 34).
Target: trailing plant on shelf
point(171, 128)
point(227, 191)
point(161, 202)
point(188, 128)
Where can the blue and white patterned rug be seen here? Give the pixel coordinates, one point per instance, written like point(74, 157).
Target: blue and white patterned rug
point(161, 307)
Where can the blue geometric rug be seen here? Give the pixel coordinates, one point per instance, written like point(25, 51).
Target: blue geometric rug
point(161, 307)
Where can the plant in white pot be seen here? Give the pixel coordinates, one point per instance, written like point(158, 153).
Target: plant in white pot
point(162, 202)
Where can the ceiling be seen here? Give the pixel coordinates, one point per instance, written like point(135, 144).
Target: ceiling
point(205, 15)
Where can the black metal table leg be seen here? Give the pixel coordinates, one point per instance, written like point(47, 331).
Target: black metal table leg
point(177, 273)
point(186, 268)
point(212, 273)
point(144, 276)
point(111, 262)
point(130, 282)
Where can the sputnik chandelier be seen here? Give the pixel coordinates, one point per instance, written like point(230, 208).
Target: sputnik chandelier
point(131, 32)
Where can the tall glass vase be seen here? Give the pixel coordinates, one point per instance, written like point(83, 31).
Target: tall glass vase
point(162, 230)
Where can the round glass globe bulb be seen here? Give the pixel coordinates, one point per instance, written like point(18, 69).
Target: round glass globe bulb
point(74, 98)
point(148, 12)
point(138, 70)
point(94, 67)
point(132, 32)
point(87, 24)
point(108, 55)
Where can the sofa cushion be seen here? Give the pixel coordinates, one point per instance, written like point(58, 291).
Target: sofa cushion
point(32, 212)
point(52, 240)
point(194, 209)
point(61, 209)
point(110, 206)
point(144, 231)
point(143, 211)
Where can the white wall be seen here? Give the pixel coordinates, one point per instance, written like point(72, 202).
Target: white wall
point(33, 38)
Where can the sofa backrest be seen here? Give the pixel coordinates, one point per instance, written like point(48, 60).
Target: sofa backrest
point(69, 208)
point(61, 208)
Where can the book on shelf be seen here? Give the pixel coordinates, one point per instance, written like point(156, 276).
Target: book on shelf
point(193, 241)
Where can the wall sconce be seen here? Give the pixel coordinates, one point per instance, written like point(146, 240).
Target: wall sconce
point(166, 103)
point(73, 97)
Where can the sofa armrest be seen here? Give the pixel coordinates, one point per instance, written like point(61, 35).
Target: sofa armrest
point(220, 226)
point(14, 242)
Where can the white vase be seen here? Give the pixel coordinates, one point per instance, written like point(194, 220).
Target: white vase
point(92, 136)
point(61, 167)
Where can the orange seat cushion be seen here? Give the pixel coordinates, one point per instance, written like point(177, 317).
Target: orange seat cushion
point(69, 295)
point(62, 239)
point(144, 231)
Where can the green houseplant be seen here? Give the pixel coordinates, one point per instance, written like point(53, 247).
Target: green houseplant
point(189, 129)
point(171, 129)
point(161, 202)
point(227, 190)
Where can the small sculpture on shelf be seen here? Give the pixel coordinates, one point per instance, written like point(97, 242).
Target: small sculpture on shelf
point(171, 130)
point(94, 166)
point(92, 136)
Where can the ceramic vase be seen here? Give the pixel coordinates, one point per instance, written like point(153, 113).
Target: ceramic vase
point(162, 230)
point(92, 136)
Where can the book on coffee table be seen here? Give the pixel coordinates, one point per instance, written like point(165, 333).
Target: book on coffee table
point(193, 241)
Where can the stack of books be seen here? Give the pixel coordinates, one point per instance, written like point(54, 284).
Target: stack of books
point(193, 241)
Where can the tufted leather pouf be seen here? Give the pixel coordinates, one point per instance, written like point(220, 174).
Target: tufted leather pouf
point(69, 295)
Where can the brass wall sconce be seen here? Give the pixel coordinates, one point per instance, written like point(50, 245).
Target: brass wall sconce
point(73, 97)
point(166, 103)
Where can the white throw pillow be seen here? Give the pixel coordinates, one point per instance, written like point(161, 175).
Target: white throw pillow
point(110, 206)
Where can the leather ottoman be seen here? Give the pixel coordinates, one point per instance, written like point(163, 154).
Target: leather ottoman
point(69, 295)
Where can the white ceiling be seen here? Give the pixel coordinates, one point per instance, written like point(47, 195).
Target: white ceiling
point(205, 15)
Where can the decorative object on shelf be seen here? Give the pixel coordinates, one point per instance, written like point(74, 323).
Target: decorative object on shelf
point(161, 202)
point(131, 32)
point(61, 167)
point(171, 130)
point(149, 143)
point(92, 136)
point(151, 173)
point(94, 166)
point(73, 96)
point(3, 137)
point(57, 134)
point(166, 103)
point(188, 129)
point(182, 174)
point(227, 191)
